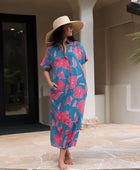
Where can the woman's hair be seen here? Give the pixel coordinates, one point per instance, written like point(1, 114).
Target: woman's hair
point(58, 36)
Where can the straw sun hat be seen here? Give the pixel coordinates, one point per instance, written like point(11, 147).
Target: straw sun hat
point(76, 25)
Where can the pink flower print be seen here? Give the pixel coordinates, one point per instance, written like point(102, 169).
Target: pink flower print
point(50, 64)
point(64, 144)
point(63, 117)
point(70, 50)
point(86, 88)
point(60, 84)
point(59, 106)
point(70, 136)
point(67, 121)
point(47, 67)
point(55, 53)
point(66, 64)
point(60, 129)
point(81, 106)
point(59, 116)
point(66, 89)
point(78, 92)
point(79, 76)
point(51, 96)
point(73, 81)
point(67, 113)
point(75, 118)
point(86, 59)
point(54, 96)
point(58, 62)
point(43, 61)
point(65, 57)
point(73, 143)
point(68, 100)
point(76, 132)
point(51, 109)
point(58, 89)
point(61, 75)
point(50, 47)
point(74, 104)
point(58, 139)
point(53, 123)
point(74, 62)
point(73, 42)
point(67, 129)
point(46, 54)
point(69, 69)
point(77, 52)
point(82, 83)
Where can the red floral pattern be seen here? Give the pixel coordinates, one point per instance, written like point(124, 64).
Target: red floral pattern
point(79, 92)
point(68, 97)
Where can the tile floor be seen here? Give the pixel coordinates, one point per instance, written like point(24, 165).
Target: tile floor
point(107, 146)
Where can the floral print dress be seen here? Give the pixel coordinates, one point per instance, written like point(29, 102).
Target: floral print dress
point(68, 98)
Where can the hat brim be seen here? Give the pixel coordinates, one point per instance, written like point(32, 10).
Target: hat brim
point(76, 26)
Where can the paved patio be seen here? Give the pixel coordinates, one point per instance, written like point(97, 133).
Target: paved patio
point(108, 146)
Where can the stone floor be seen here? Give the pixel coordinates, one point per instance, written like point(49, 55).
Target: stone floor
point(108, 146)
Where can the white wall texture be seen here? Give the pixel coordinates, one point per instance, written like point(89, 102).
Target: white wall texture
point(115, 76)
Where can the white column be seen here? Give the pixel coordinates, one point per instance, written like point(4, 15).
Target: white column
point(87, 40)
point(83, 10)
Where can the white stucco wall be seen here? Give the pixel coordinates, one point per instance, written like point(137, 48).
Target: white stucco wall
point(116, 76)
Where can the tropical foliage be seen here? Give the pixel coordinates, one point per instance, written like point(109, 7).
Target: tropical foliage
point(136, 55)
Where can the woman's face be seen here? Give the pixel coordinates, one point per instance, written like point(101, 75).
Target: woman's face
point(68, 30)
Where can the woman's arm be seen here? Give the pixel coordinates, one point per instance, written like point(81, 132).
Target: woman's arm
point(48, 79)
point(84, 69)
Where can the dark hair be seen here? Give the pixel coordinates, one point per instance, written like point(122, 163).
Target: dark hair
point(58, 36)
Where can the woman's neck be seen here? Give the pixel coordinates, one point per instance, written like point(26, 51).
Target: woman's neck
point(65, 45)
point(65, 41)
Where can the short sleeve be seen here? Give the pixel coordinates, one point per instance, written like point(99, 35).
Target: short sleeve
point(46, 62)
point(84, 55)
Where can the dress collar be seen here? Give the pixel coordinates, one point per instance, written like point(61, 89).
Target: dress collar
point(57, 44)
point(68, 41)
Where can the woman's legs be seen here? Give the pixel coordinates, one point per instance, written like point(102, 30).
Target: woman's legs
point(68, 159)
point(64, 158)
point(61, 159)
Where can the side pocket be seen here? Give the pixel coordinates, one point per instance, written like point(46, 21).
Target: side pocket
point(52, 87)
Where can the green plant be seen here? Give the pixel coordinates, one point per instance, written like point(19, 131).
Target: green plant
point(136, 55)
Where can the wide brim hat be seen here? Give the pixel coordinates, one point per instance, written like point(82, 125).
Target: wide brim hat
point(63, 20)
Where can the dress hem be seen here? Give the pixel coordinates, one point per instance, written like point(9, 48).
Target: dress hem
point(63, 147)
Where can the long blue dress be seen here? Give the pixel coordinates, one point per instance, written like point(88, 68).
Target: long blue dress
point(68, 98)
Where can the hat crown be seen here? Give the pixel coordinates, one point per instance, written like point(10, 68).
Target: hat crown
point(61, 21)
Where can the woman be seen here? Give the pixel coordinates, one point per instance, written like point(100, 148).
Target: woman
point(68, 87)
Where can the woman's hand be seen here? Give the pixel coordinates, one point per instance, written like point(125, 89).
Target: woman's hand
point(48, 79)
point(51, 84)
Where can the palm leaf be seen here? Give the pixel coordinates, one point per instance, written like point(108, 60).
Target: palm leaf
point(137, 60)
point(136, 55)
